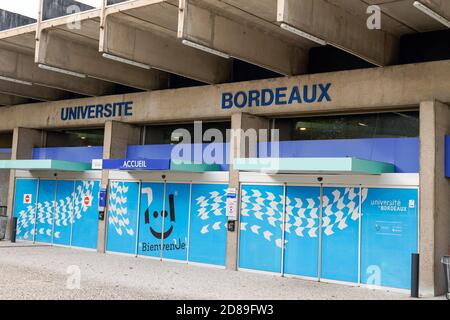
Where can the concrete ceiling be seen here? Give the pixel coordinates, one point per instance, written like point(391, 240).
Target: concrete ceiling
point(149, 37)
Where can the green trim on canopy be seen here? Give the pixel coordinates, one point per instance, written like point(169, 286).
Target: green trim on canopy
point(314, 165)
point(44, 165)
point(193, 167)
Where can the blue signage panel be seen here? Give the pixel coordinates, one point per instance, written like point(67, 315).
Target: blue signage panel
point(261, 230)
point(85, 214)
point(175, 221)
point(208, 232)
point(63, 212)
point(25, 200)
point(340, 234)
point(45, 211)
point(302, 231)
point(122, 217)
point(151, 217)
point(137, 164)
point(389, 236)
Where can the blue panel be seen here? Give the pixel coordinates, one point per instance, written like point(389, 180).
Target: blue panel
point(261, 231)
point(46, 210)
point(164, 151)
point(25, 208)
point(389, 236)
point(136, 164)
point(123, 213)
point(85, 216)
point(73, 154)
point(63, 213)
point(447, 156)
point(340, 234)
point(175, 223)
point(208, 235)
point(402, 152)
point(150, 221)
point(302, 231)
point(5, 150)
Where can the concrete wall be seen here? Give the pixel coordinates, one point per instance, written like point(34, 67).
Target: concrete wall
point(351, 91)
point(434, 197)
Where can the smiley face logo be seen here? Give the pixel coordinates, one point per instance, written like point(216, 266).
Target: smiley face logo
point(164, 234)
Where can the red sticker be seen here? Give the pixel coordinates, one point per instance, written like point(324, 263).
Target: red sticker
point(87, 201)
point(27, 198)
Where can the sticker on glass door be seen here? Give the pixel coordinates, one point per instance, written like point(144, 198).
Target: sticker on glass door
point(340, 234)
point(302, 229)
point(261, 228)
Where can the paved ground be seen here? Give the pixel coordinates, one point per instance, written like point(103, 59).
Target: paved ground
point(40, 272)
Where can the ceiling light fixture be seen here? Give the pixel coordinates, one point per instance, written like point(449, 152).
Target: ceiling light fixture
point(432, 14)
point(63, 71)
point(303, 34)
point(27, 83)
point(127, 61)
point(206, 49)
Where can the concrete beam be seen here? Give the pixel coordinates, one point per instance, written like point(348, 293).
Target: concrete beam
point(434, 236)
point(8, 100)
point(208, 28)
point(21, 67)
point(339, 28)
point(31, 92)
point(117, 137)
point(85, 59)
point(162, 51)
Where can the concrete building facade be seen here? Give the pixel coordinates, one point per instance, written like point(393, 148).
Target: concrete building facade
point(361, 180)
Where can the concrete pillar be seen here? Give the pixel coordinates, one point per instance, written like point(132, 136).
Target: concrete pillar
point(24, 140)
point(434, 235)
point(240, 121)
point(118, 136)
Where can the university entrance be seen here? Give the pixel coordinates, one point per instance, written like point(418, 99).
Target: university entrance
point(361, 234)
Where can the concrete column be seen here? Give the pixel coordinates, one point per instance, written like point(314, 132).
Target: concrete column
point(244, 122)
point(434, 235)
point(117, 137)
point(24, 140)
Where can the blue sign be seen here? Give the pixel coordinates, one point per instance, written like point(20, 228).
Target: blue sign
point(85, 214)
point(25, 200)
point(208, 232)
point(98, 111)
point(122, 217)
point(302, 231)
point(261, 228)
point(447, 156)
point(307, 94)
point(45, 211)
point(137, 164)
point(62, 225)
point(152, 214)
point(340, 234)
point(389, 236)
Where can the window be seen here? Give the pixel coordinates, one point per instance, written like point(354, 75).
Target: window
point(75, 138)
point(164, 134)
point(6, 140)
point(381, 125)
